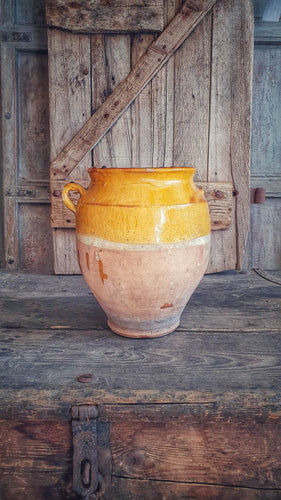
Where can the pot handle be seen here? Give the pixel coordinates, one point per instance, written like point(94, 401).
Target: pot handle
point(72, 186)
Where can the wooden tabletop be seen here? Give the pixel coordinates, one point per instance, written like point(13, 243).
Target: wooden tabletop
point(227, 349)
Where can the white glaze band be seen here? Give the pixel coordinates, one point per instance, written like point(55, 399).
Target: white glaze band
point(112, 245)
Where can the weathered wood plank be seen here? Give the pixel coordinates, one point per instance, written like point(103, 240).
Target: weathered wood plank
point(192, 96)
point(230, 114)
point(266, 141)
point(213, 363)
point(108, 113)
point(265, 235)
point(227, 372)
point(111, 59)
point(35, 238)
point(54, 404)
point(155, 490)
point(26, 486)
point(100, 91)
point(46, 447)
point(189, 444)
point(244, 301)
point(218, 195)
point(37, 445)
point(97, 16)
point(70, 106)
point(8, 118)
point(6, 13)
point(25, 127)
point(65, 256)
point(28, 12)
point(142, 120)
point(267, 32)
point(33, 132)
point(44, 349)
point(162, 105)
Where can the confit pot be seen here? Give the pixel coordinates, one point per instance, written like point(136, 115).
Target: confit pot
point(143, 238)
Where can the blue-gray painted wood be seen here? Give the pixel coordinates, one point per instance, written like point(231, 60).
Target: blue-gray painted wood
point(24, 138)
point(264, 242)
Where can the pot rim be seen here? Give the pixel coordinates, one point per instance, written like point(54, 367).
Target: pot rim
point(142, 170)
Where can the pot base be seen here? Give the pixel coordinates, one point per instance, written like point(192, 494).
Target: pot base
point(138, 334)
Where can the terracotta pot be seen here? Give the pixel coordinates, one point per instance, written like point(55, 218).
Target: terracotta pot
point(143, 239)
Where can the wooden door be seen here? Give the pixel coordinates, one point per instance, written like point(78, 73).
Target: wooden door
point(25, 137)
point(264, 243)
point(196, 110)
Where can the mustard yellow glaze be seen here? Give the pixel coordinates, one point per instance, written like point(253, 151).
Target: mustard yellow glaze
point(142, 206)
point(142, 225)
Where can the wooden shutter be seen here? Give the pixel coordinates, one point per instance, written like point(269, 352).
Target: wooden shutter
point(195, 111)
point(25, 137)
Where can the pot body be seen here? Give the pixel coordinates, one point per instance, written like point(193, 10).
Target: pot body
point(143, 238)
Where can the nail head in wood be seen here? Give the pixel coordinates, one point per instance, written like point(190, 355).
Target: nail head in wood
point(86, 378)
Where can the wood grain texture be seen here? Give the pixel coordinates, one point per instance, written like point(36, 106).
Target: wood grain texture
point(70, 106)
point(109, 112)
point(141, 112)
point(229, 356)
point(230, 115)
point(97, 16)
point(193, 444)
point(36, 245)
point(25, 127)
point(28, 12)
point(8, 117)
point(37, 445)
point(124, 489)
point(6, 13)
point(162, 105)
point(219, 439)
point(65, 256)
point(26, 152)
point(212, 367)
point(265, 235)
point(33, 130)
point(192, 96)
point(264, 247)
point(159, 441)
point(175, 120)
point(110, 65)
point(243, 301)
point(26, 486)
point(266, 141)
point(267, 32)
